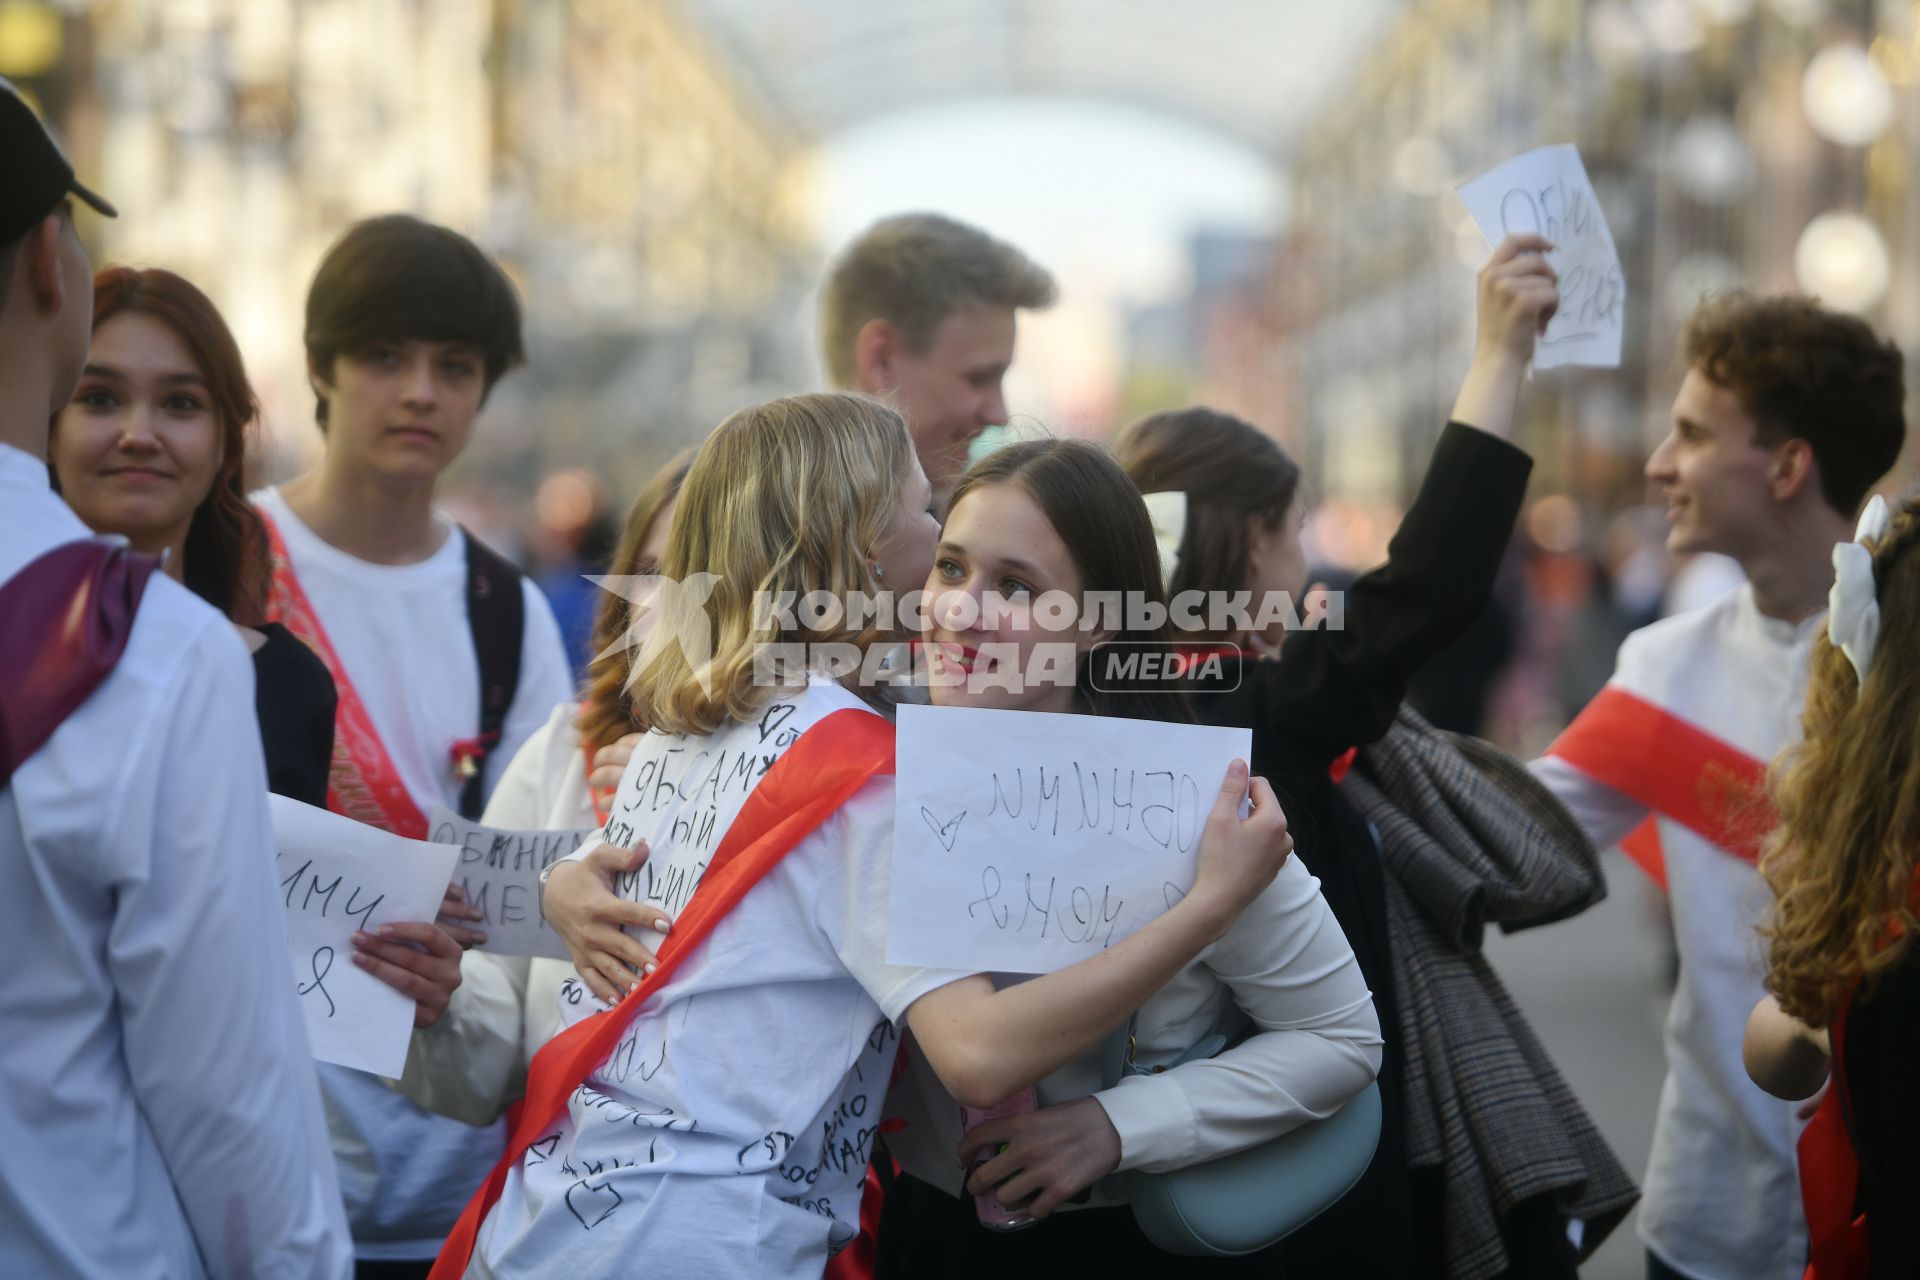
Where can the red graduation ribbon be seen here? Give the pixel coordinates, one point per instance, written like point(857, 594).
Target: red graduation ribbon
point(1830, 1176)
point(68, 616)
point(363, 783)
point(1840, 1238)
point(805, 786)
point(1673, 767)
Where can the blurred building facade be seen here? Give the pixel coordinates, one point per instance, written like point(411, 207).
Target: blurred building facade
point(1218, 344)
point(1693, 122)
point(1769, 144)
point(628, 176)
point(1764, 144)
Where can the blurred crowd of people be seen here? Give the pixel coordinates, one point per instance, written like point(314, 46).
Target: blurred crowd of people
point(178, 648)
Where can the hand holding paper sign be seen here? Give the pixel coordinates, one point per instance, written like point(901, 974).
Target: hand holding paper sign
point(985, 1042)
point(1025, 841)
point(1546, 192)
point(1239, 857)
point(610, 762)
point(496, 882)
point(419, 960)
point(457, 915)
point(339, 878)
point(1518, 296)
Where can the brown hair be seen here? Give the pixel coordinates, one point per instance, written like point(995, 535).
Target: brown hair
point(606, 709)
point(1098, 514)
point(396, 278)
point(225, 557)
point(1229, 469)
point(1841, 861)
point(914, 271)
point(1804, 372)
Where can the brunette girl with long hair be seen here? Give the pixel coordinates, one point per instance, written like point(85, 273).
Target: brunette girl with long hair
point(1326, 692)
point(1058, 517)
point(153, 447)
point(1843, 975)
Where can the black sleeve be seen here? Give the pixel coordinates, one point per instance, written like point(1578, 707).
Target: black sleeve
point(1882, 1054)
point(1336, 689)
point(295, 700)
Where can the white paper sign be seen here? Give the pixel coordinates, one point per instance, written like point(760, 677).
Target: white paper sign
point(1025, 842)
point(1546, 192)
point(499, 871)
point(338, 876)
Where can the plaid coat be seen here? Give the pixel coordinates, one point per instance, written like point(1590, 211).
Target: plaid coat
point(1466, 836)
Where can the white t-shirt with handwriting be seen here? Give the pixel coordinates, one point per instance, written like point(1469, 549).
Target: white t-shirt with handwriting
point(728, 1134)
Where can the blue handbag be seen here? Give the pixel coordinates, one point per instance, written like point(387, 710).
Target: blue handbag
point(1244, 1202)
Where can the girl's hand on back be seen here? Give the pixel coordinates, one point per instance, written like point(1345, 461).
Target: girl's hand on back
point(1239, 857)
point(610, 762)
point(581, 905)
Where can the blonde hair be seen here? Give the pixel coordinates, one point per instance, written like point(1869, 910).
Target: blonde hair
point(913, 271)
point(1841, 861)
point(783, 499)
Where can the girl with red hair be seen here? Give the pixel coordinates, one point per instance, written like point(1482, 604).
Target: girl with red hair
point(153, 448)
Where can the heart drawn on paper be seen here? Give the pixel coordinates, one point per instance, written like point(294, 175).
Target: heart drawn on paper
point(945, 832)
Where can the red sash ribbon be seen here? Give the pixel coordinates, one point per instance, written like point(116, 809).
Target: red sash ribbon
point(1830, 1176)
point(1830, 1164)
point(69, 615)
point(814, 778)
point(1678, 770)
point(362, 781)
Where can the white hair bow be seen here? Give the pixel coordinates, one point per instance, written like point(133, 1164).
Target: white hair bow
point(1853, 608)
point(1168, 511)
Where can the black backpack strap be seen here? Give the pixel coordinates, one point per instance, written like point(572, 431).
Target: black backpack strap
point(497, 615)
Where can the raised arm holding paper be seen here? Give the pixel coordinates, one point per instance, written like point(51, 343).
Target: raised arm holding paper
point(1314, 697)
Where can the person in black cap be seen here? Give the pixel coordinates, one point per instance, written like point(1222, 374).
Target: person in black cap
point(43, 342)
point(159, 1116)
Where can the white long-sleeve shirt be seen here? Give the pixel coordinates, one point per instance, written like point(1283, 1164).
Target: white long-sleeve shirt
point(1287, 966)
point(1722, 1198)
point(472, 1063)
point(158, 1112)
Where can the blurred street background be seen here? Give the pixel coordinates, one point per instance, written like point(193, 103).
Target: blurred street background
point(1248, 204)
